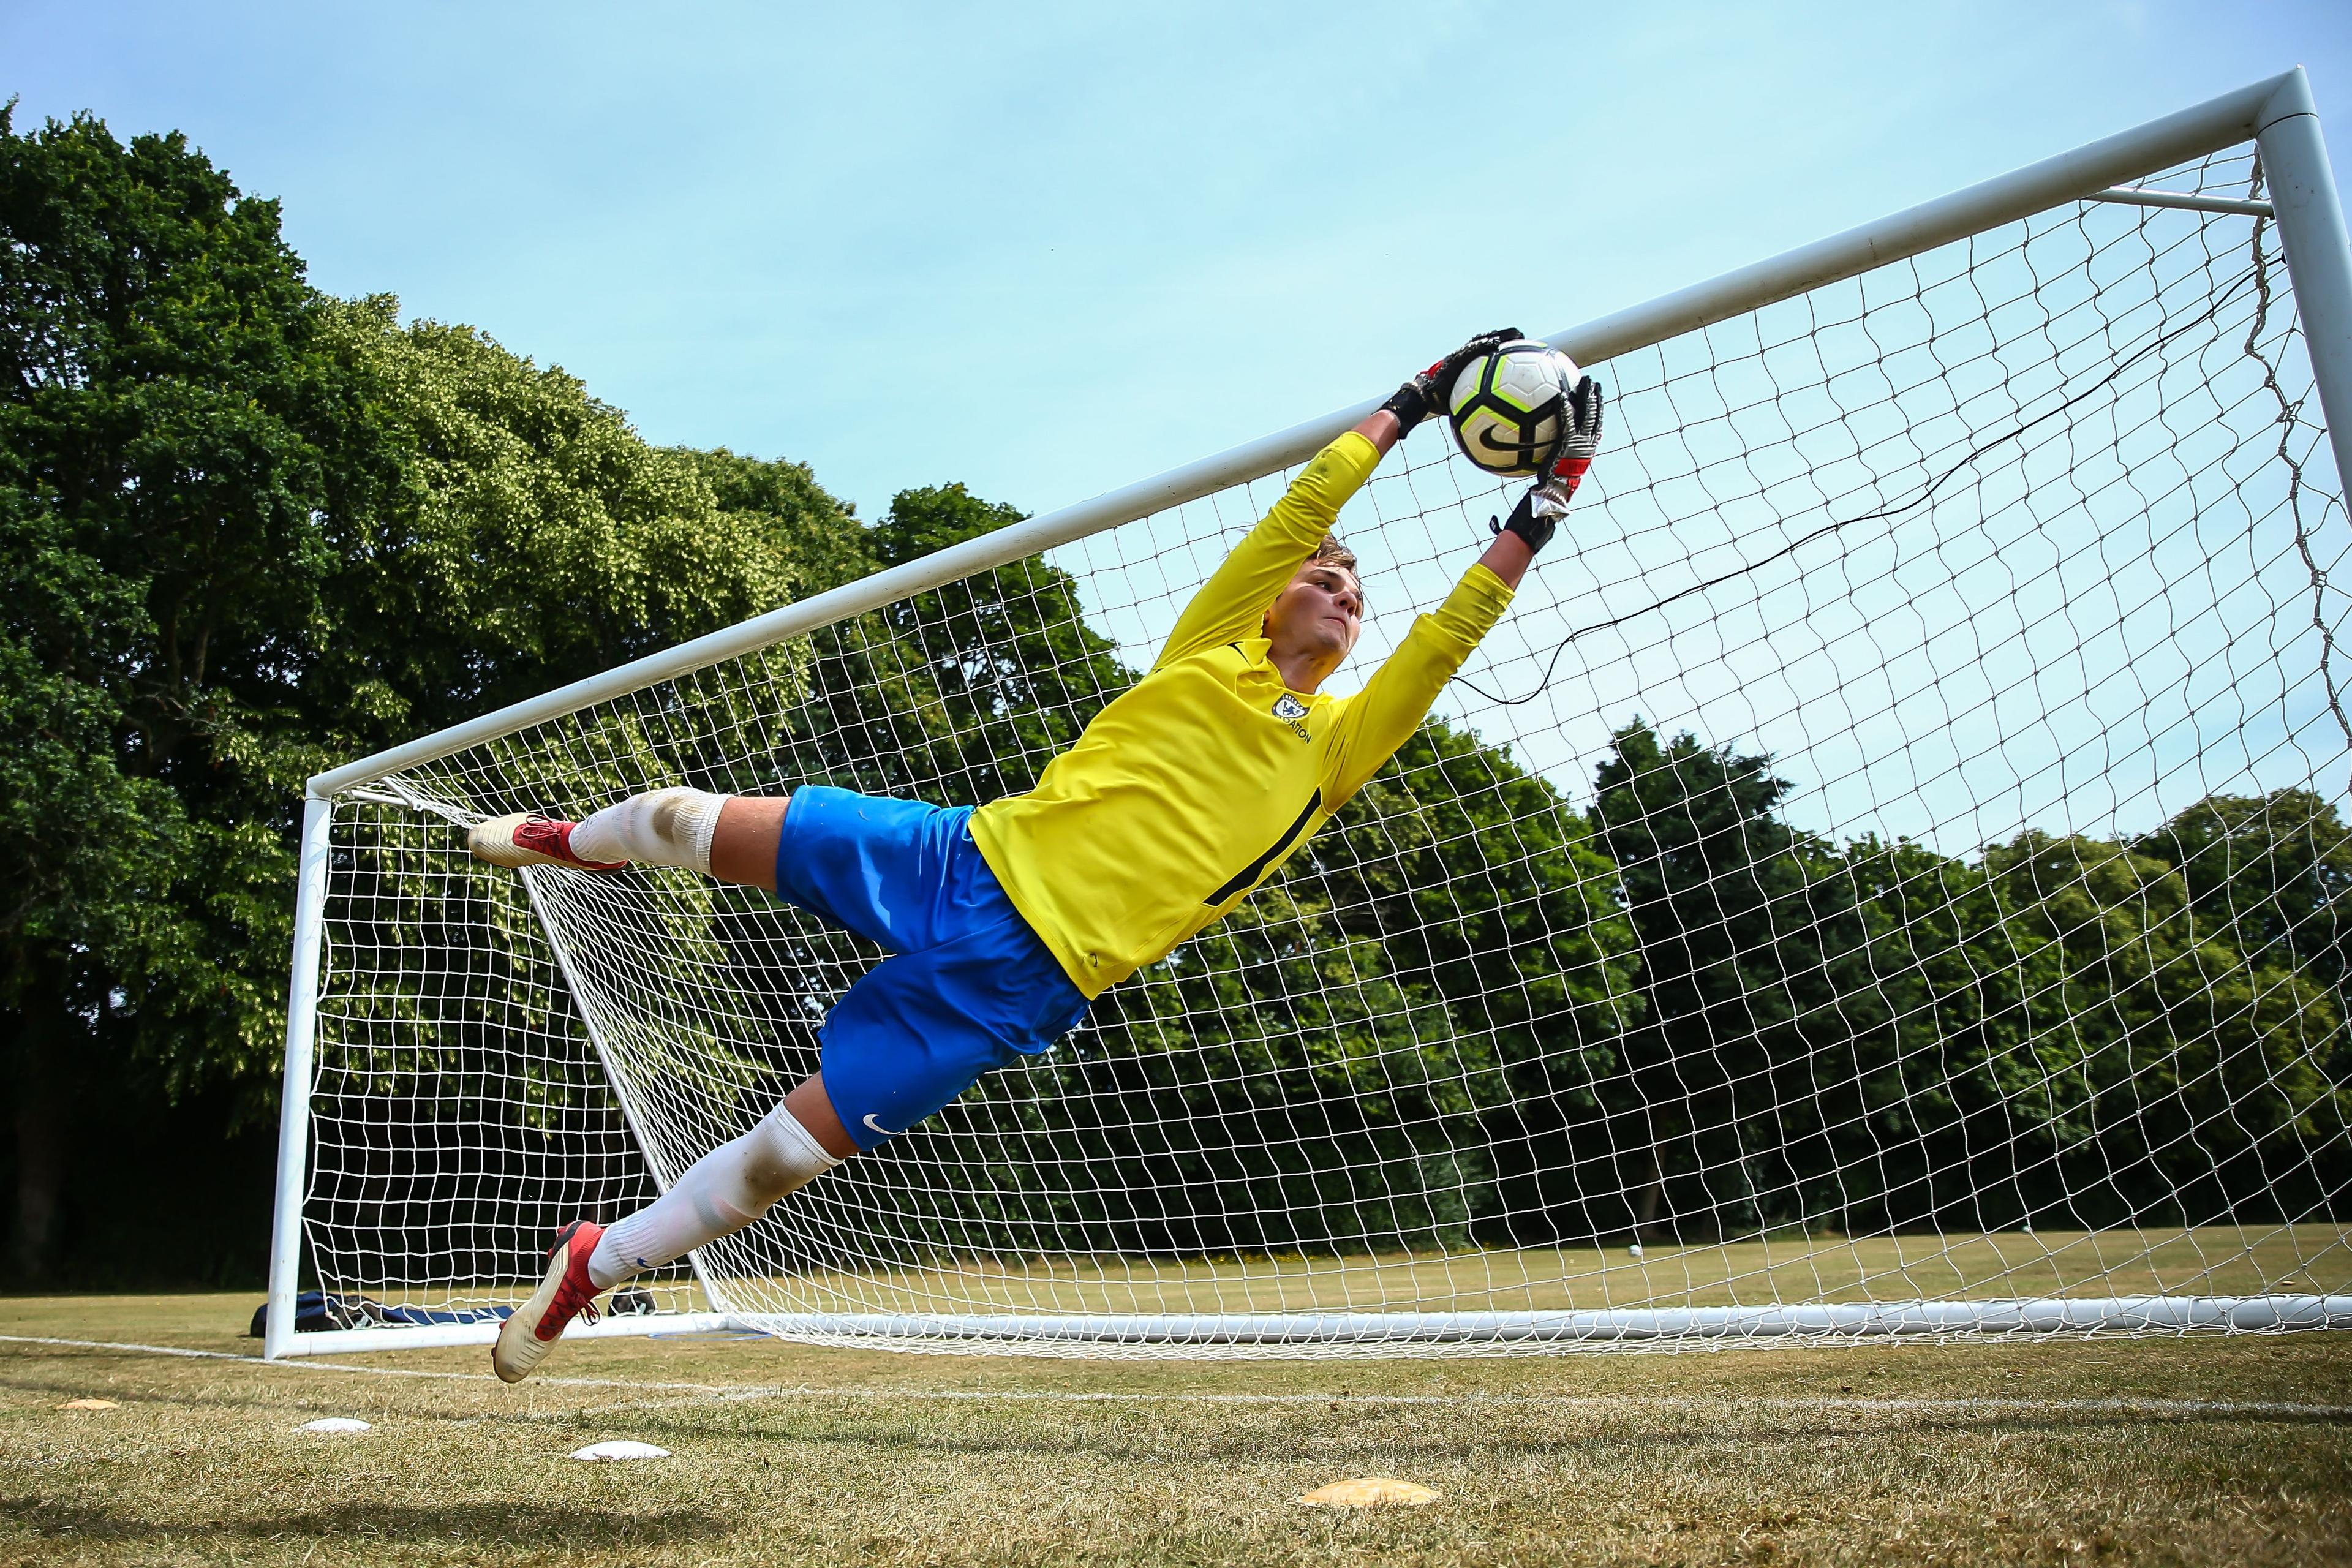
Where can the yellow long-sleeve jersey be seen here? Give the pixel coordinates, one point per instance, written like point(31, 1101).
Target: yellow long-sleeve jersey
point(1196, 784)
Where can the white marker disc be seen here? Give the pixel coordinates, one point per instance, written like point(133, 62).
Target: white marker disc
point(1369, 1491)
point(621, 1448)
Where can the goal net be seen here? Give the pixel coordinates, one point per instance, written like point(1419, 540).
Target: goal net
point(1887, 873)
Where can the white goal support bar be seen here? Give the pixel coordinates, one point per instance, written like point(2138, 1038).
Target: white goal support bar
point(2180, 201)
point(2276, 114)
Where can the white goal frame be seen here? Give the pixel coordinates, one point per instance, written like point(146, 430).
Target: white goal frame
point(2277, 115)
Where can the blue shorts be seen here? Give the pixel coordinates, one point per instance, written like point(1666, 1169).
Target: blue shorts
point(968, 987)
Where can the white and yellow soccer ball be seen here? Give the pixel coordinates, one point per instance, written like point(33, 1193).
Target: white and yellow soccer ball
point(1509, 407)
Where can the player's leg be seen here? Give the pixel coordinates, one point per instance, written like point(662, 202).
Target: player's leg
point(972, 988)
point(734, 839)
point(731, 836)
point(720, 1194)
point(744, 843)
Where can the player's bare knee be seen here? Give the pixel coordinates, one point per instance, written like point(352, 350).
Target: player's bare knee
point(744, 839)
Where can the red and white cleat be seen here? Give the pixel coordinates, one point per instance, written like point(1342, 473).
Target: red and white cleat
point(528, 839)
point(564, 1294)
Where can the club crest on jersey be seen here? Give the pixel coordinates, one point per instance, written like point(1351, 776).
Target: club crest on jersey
point(1290, 711)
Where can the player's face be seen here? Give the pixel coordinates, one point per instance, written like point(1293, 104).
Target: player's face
point(1322, 611)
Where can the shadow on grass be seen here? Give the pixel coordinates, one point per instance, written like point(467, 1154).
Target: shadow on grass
point(483, 1523)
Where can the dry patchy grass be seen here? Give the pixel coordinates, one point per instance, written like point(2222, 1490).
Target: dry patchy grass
point(2149, 1451)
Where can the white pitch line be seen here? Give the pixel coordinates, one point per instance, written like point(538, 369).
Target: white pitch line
point(2115, 1406)
point(304, 1363)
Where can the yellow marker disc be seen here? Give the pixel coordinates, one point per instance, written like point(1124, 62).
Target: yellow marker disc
point(89, 1404)
point(1369, 1491)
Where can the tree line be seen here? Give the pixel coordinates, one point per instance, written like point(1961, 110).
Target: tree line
point(247, 529)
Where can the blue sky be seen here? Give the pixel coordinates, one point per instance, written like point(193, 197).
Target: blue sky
point(1047, 250)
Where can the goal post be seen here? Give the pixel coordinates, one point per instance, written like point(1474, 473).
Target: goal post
point(1429, 1089)
point(2318, 252)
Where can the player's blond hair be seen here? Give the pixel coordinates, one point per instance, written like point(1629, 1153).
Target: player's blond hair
point(1330, 552)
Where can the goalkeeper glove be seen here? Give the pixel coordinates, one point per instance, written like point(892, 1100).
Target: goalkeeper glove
point(1578, 443)
point(1426, 394)
point(1546, 501)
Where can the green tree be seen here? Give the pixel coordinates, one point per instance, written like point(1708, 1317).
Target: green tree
point(1475, 878)
point(519, 535)
point(1960, 1119)
point(2269, 875)
point(2184, 1083)
point(1766, 1028)
point(168, 422)
point(246, 530)
point(1882, 1037)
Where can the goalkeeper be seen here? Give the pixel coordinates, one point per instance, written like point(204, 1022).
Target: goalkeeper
point(1004, 922)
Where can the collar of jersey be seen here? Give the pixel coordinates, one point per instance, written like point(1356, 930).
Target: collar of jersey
point(1256, 650)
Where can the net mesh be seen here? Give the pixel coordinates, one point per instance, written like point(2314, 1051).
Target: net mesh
point(1890, 856)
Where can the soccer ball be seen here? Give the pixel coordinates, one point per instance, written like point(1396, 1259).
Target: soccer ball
point(1509, 407)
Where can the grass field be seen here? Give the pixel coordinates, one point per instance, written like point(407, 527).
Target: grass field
point(2140, 1451)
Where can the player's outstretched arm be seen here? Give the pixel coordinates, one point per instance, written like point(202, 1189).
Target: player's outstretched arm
point(1546, 501)
point(1397, 697)
point(1231, 604)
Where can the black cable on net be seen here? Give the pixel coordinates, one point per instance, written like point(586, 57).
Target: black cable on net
point(1926, 494)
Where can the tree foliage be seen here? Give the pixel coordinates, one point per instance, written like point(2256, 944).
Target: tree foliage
point(246, 530)
point(1878, 1036)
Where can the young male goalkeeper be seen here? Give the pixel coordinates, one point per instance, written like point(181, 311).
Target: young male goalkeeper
point(1005, 922)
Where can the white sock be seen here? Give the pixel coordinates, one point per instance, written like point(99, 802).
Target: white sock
point(665, 827)
point(721, 1193)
